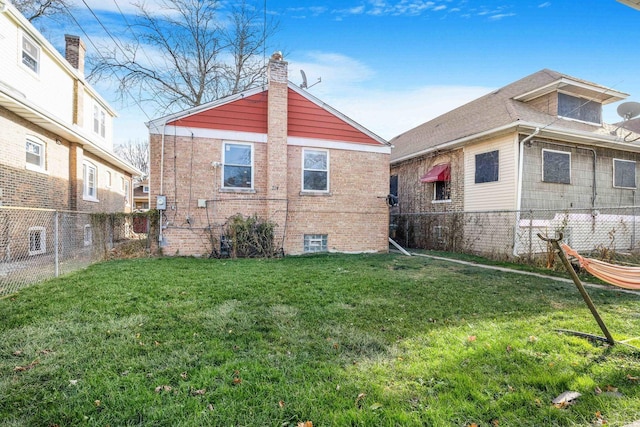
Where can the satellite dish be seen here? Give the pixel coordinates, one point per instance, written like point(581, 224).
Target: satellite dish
point(303, 85)
point(628, 110)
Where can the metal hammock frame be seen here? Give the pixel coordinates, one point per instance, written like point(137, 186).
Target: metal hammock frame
point(624, 277)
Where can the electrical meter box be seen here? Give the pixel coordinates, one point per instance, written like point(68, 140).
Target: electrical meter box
point(161, 203)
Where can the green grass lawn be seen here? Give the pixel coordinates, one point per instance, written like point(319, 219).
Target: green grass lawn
point(338, 340)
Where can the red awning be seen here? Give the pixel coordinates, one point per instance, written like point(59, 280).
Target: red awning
point(438, 173)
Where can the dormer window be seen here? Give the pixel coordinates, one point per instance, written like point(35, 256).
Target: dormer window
point(573, 107)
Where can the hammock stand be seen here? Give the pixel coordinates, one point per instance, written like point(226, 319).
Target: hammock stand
point(567, 265)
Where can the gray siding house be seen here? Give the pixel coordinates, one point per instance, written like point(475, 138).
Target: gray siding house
point(537, 145)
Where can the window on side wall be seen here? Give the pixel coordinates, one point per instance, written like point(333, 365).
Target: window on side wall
point(315, 170)
point(89, 184)
point(35, 154)
point(624, 173)
point(30, 54)
point(126, 192)
point(487, 165)
point(237, 160)
point(573, 107)
point(556, 166)
point(99, 120)
point(107, 182)
point(441, 190)
point(315, 243)
point(37, 240)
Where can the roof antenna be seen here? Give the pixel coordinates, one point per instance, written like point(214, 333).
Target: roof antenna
point(304, 85)
point(627, 110)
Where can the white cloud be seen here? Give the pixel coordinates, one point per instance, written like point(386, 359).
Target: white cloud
point(545, 4)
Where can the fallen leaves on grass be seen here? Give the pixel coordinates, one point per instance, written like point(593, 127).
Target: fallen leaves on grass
point(633, 379)
point(305, 424)
point(26, 367)
point(566, 399)
point(599, 421)
point(162, 388)
point(281, 404)
point(471, 338)
point(198, 392)
point(359, 399)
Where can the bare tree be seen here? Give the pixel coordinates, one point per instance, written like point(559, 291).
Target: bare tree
point(34, 9)
point(136, 153)
point(199, 54)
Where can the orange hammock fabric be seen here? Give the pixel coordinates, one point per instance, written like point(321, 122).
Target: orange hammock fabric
point(616, 275)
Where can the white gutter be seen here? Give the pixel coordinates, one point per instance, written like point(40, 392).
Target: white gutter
point(519, 184)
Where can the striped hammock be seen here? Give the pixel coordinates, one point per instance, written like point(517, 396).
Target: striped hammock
point(616, 275)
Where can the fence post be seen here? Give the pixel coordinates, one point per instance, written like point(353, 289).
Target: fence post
point(56, 239)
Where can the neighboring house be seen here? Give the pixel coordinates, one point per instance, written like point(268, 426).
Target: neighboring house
point(538, 143)
point(276, 152)
point(55, 130)
point(141, 195)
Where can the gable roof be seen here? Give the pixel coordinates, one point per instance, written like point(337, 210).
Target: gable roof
point(502, 109)
point(308, 117)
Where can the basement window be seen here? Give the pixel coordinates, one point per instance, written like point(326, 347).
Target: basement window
point(315, 243)
point(37, 240)
point(624, 173)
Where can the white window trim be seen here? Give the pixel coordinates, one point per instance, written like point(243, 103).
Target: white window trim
point(43, 155)
point(434, 200)
point(560, 152)
point(224, 150)
point(304, 190)
point(145, 189)
point(99, 120)
point(614, 173)
point(108, 179)
point(25, 36)
point(581, 98)
point(85, 172)
point(43, 240)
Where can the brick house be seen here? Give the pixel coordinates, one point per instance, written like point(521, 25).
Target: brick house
point(276, 152)
point(55, 129)
point(536, 144)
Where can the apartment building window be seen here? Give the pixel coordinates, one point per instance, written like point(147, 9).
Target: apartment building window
point(30, 54)
point(624, 173)
point(315, 243)
point(89, 181)
point(315, 170)
point(37, 240)
point(556, 166)
point(487, 166)
point(573, 107)
point(99, 120)
point(145, 189)
point(35, 154)
point(237, 165)
point(441, 190)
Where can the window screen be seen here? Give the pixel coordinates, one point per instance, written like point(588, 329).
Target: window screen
point(624, 173)
point(556, 167)
point(487, 167)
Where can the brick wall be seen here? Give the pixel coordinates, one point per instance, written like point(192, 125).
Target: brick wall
point(354, 215)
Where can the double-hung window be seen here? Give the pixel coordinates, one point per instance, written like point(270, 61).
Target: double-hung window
point(35, 154)
point(89, 184)
point(315, 170)
point(30, 54)
point(237, 160)
point(99, 120)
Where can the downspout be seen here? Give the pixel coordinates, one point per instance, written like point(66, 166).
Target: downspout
point(519, 189)
point(160, 235)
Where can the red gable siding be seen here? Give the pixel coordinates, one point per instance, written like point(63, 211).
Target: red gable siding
point(244, 115)
point(308, 120)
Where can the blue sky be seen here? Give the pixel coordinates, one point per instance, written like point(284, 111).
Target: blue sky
point(393, 64)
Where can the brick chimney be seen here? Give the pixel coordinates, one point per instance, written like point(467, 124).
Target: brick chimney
point(277, 140)
point(74, 54)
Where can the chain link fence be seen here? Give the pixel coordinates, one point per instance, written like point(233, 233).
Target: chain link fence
point(38, 244)
point(606, 233)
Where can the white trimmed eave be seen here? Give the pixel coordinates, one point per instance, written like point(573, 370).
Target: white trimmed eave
point(601, 94)
point(576, 137)
point(28, 111)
